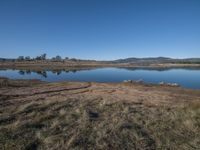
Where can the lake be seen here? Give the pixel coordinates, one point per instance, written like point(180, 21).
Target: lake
point(189, 78)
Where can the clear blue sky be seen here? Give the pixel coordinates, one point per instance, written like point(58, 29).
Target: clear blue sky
point(100, 29)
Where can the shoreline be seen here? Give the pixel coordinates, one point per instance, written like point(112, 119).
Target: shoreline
point(8, 82)
point(49, 65)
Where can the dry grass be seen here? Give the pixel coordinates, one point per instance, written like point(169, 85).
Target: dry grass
point(5, 82)
point(100, 116)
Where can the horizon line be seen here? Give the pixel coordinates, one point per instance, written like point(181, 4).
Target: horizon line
point(110, 59)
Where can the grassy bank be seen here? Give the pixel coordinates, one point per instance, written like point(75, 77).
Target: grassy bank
point(73, 115)
point(82, 65)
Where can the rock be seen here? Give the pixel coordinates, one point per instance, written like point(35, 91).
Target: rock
point(126, 125)
point(128, 81)
point(161, 83)
point(173, 84)
point(139, 81)
point(92, 114)
point(131, 81)
point(169, 84)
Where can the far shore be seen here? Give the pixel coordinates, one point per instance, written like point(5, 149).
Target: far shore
point(82, 65)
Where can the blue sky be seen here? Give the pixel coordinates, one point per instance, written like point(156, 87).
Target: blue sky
point(100, 29)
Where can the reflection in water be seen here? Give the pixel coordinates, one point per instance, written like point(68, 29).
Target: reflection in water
point(57, 72)
point(43, 73)
point(21, 72)
point(187, 77)
point(28, 72)
point(159, 69)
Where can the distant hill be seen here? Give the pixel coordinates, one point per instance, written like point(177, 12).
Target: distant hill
point(157, 60)
point(7, 60)
point(131, 60)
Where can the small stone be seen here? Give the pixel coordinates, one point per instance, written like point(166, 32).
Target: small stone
point(92, 114)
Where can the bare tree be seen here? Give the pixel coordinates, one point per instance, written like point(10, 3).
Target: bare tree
point(43, 56)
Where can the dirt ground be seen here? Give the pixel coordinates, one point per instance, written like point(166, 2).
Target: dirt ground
point(81, 115)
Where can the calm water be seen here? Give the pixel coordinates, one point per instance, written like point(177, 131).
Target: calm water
point(185, 77)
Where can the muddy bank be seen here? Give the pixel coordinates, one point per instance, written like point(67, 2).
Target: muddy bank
point(81, 115)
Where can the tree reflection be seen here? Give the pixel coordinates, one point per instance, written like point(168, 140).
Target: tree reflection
point(57, 72)
point(44, 73)
point(21, 72)
point(28, 72)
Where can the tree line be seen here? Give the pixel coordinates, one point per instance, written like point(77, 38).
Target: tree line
point(44, 57)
